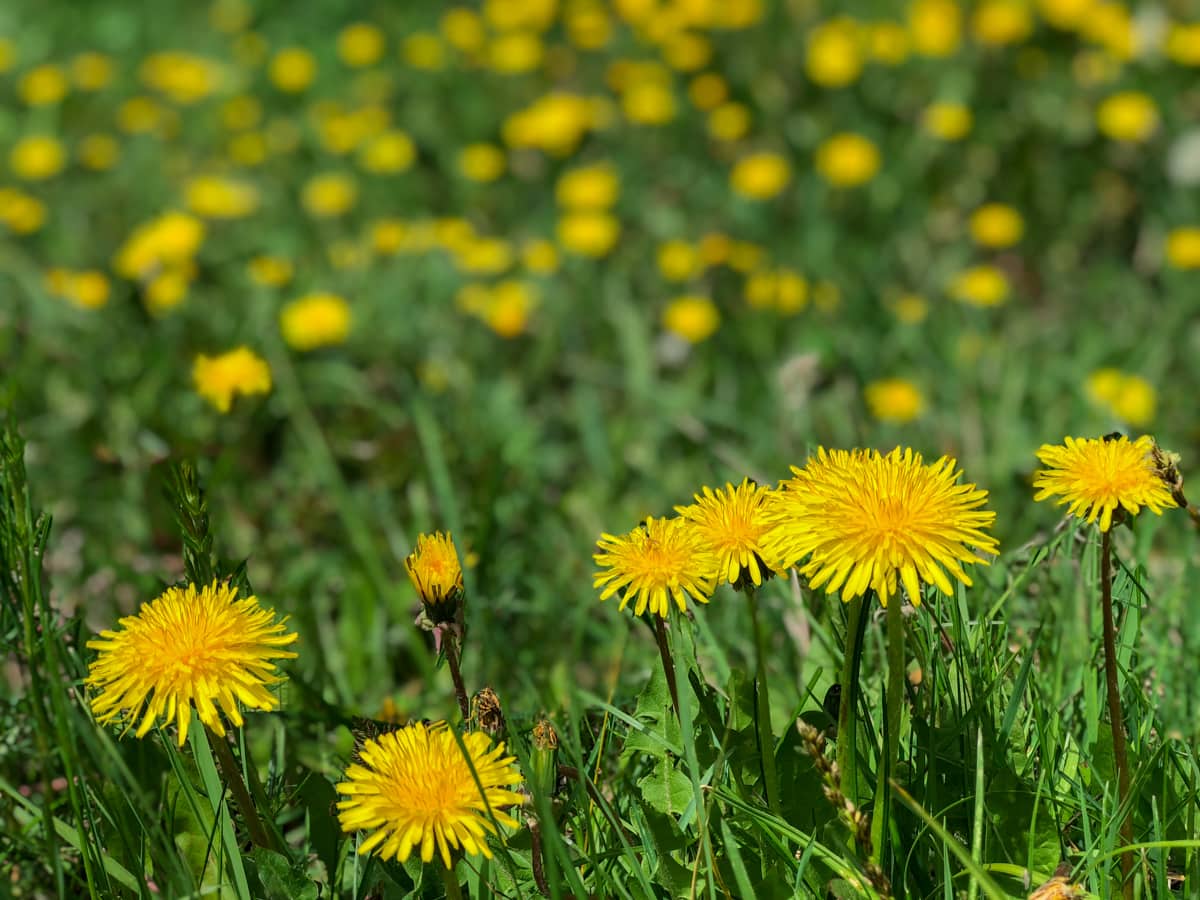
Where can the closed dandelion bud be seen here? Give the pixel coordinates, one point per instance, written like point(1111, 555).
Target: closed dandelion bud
point(436, 573)
point(486, 713)
point(544, 759)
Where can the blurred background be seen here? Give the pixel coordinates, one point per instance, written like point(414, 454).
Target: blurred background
point(529, 270)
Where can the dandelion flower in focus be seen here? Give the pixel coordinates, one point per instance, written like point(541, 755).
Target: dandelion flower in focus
point(732, 522)
point(434, 570)
point(316, 320)
point(240, 371)
point(201, 648)
point(895, 400)
point(415, 788)
point(856, 519)
point(659, 561)
point(1097, 476)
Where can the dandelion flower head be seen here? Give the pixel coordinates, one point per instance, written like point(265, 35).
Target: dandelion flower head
point(414, 787)
point(660, 560)
point(240, 371)
point(857, 519)
point(434, 568)
point(1096, 476)
point(192, 647)
point(732, 521)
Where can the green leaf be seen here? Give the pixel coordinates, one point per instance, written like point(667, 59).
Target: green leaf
point(666, 789)
point(280, 879)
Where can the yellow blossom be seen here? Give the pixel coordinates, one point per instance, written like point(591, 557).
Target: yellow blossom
point(588, 233)
point(315, 320)
point(594, 187)
point(539, 257)
point(91, 71)
point(693, 318)
point(423, 50)
point(708, 91)
point(463, 29)
point(239, 371)
point(948, 121)
point(648, 103)
point(388, 153)
point(329, 195)
point(1183, 247)
point(360, 44)
point(1129, 116)
point(936, 27)
point(834, 57)
point(729, 121)
point(270, 271)
point(43, 85)
point(292, 69)
point(996, 225)
point(998, 23)
point(515, 52)
point(981, 286)
point(37, 157)
point(732, 522)
point(847, 160)
point(182, 77)
point(895, 400)
point(482, 162)
point(219, 197)
point(659, 561)
point(98, 152)
point(435, 571)
point(678, 260)
point(760, 176)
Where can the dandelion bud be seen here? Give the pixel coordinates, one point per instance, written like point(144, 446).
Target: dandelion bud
point(544, 775)
point(436, 573)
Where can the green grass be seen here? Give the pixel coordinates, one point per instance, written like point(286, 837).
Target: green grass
point(117, 478)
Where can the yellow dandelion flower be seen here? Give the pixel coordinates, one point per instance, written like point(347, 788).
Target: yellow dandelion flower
point(43, 85)
point(218, 197)
point(98, 152)
point(316, 320)
point(329, 195)
point(1183, 247)
point(847, 160)
point(434, 569)
point(1128, 116)
point(1096, 476)
point(834, 53)
point(482, 162)
point(760, 176)
point(415, 787)
point(270, 271)
point(594, 187)
point(201, 648)
point(996, 225)
point(293, 69)
point(895, 400)
point(360, 44)
point(588, 233)
point(981, 286)
point(732, 522)
point(240, 371)
point(693, 317)
point(856, 519)
point(729, 121)
point(947, 121)
point(660, 560)
point(37, 157)
point(936, 27)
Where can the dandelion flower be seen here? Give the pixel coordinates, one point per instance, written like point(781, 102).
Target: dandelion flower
point(732, 522)
point(315, 320)
point(240, 371)
point(659, 560)
point(1096, 476)
point(190, 647)
point(416, 788)
point(434, 569)
point(856, 519)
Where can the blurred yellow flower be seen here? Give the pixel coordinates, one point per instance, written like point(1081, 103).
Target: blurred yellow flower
point(463, 29)
point(315, 320)
point(165, 290)
point(21, 213)
point(37, 157)
point(936, 27)
point(1183, 247)
point(588, 233)
point(483, 256)
point(1129, 116)
point(505, 15)
point(515, 52)
point(981, 286)
point(1128, 397)
point(230, 16)
point(292, 69)
point(1182, 44)
point(948, 121)
point(715, 248)
point(847, 160)
point(1111, 25)
point(678, 260)
point(996, 225)
point(729, 121)
point(895, 400)
point(329, 195)
point(387, 236)
point(784, 290)
point(745, 256)
point(218, 197)
point(240, 371)
point(509, 305)
point(833, 57)
point(140, 115)
point(388, 153)
point(691, 317)
point(360, 44)
point(482, 162)
point(423, 50)
point(687, 51)
point(183, 77)
point(911, 309)
point(707, 91)
point(588, 26)
point(540, 257)
point(554, 123)
point(270, 271)
point(43, 85)
point(168, 241)
point(1065, 14)
point(760, 176)
point(88, 289)
point(594, 187)
point(888, 43)
point(998, 23)
point(648, 103)
point(250, 148)
point(91, 71)
point(241, 112)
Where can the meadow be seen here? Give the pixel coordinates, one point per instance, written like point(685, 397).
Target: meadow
point(599, 448)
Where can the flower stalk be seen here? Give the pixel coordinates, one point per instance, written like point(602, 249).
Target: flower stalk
point(664, 649)
point(847, 750)
point(231, 774)
point(1120, 751)
point(762, 697)
point(893, 708)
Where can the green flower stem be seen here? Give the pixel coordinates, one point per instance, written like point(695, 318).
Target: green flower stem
point(453, 660)
point(894, 706)
point(232, 774)
point(762, 696)
point(450, 880)
point(664, 649)
point(847, 750)
point(1120, 753)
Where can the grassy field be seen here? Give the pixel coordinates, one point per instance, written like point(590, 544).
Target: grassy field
point(281, 292)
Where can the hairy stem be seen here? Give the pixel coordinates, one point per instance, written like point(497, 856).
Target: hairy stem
point(893, 706)
point(847, 751)
point(1120, 754)
point(664, 649)
point(453, 658)
point(762, 696)
point(232, 774)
